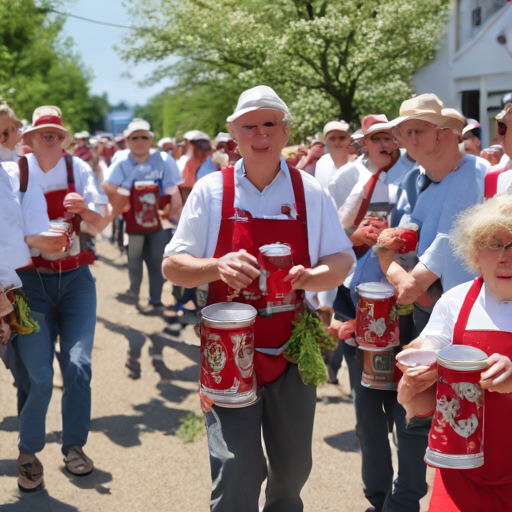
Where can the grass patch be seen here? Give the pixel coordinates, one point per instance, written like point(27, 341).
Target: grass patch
point(190, 427)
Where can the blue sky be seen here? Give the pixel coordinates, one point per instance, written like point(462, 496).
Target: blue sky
point(95, 43)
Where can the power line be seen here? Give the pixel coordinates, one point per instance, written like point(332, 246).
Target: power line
point(91, 21)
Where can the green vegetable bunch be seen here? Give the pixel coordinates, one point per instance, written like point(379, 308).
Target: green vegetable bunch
point(304, 348)
point(26, 323)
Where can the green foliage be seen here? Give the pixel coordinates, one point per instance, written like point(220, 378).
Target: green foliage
point(190, 427)
point(39, 68)
point(327, 58)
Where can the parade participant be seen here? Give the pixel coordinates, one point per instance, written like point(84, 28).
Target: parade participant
point(458, 184)
point(471, 136)
point(228, 216)
point(200, 151)
point(82, 149)
point(166, 145)
point(478, 314)
point(149, 181)
point(499, 178)
point(9, 134)
point(337, 141)
point(61, 294)
point(382, 170)
point(308, 162)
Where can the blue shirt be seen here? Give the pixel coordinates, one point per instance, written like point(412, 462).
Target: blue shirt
point(160, 167)
point(206, 168)
point(435, 211)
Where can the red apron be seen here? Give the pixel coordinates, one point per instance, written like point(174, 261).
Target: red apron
point(489, 487)
point(239, 230)
point(56, 210)
point(143, 217)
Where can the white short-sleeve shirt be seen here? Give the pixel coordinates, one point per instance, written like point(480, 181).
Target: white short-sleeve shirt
point(199, 225)
point(489, 313)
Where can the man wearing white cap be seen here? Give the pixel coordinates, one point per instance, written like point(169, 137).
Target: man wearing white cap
point(337, 140)
point(433, 139)
point(141, 183)
point(60, 291)
point(226, 219)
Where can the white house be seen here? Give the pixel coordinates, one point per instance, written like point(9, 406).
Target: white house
point(472, 69)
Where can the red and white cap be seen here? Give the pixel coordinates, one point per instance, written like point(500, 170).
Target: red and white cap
point(46, 117)
point(375, 124)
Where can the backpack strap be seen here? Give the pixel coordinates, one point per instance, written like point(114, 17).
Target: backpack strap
point(69, 168)
point(23, 166)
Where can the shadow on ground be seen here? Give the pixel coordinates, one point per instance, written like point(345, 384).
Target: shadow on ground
point(125, 430)
point(111, 262)
point(92, 481)
point(135, 338)
point(345, 442)
point(8, 467)
point(328, 400)
point(37, 502)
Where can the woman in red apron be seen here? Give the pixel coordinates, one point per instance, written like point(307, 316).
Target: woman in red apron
point(228, 217)
point(479, 314)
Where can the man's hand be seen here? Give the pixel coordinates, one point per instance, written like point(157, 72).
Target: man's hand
point(47, 244)
point(298, 276)
point(407, 289)
point(238, 269)
point(415, 380)
point(75, 203)
point(366, 235)
point(497, 377)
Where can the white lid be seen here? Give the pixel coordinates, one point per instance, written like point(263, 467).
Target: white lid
point(229, 312)
point(416, 357)
point(376, 290)
point(462, 357)
point(277, 249)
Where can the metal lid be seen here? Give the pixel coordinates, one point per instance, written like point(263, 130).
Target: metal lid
point(277, 249)
point(462, 358)
point(229, 312)
point(375, 290)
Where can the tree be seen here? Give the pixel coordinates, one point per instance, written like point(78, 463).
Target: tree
point(39, 68)
point(327, 58)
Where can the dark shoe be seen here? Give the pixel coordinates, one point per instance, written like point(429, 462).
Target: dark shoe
point(127, 297)
point(31, 473)
point(152, 310)
point(133, 365)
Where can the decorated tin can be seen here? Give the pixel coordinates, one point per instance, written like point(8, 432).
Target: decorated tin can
point(227, 352)
point(456, 439)
point(377, 316)
point(380, 370)
point(275, 261)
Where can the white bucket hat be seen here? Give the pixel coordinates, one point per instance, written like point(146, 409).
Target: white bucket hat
point(138, 125)
point(258, 98)
point(48, 116)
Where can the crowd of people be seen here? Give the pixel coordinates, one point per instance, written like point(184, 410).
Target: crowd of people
point(197, 211)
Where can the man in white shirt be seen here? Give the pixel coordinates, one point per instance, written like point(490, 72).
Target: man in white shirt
point(227, 217)
point(337, 140)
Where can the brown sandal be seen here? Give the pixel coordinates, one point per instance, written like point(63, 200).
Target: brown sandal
point(31, 474)
point(77, 463)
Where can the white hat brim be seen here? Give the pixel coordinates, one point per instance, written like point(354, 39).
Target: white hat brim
point(244, 111)
point(45, 126)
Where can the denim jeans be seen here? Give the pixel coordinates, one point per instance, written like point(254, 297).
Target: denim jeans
point(147, 248)
point(64, 305)
point(374, 409)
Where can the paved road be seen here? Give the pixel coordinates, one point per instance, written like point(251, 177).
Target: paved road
point(138, 457)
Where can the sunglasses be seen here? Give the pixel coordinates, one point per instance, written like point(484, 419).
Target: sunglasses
point(502, 127)
point(143, 137)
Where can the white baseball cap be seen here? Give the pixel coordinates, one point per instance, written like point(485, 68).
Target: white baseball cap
point(258, 98)
point(341, 126)
point(138, 125)
point(165, 140)
point(196, 135)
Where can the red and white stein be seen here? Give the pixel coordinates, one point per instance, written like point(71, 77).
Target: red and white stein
point(227, 353)
point(377, 316)
point(380, 370)
point(275, 261)
point(456, 439)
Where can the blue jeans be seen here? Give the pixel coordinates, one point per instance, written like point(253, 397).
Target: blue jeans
point(374, 408)
point(64, 305)
point(149, 248)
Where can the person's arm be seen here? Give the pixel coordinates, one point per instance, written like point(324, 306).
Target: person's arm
point(96, 223)
point(176, 205)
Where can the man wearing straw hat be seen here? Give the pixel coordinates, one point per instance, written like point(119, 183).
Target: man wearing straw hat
point(268, 202)
point(432, 135)
point(62, 295)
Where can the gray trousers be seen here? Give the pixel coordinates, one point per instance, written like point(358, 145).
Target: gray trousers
point(147, 248)
point(286, 413)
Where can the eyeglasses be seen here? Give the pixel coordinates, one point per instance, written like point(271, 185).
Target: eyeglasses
point(498, 247)
point(143, 137)
point(502, 129)
point(50, 137)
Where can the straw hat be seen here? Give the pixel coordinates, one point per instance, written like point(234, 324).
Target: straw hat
point(425, 107)
point(46, 117)
point(454, 120)
point(257, 98)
